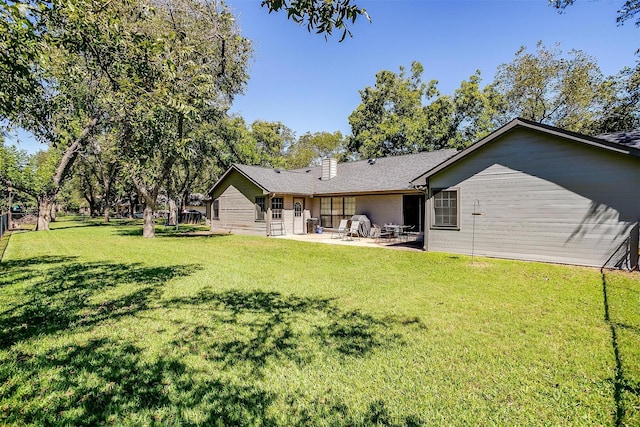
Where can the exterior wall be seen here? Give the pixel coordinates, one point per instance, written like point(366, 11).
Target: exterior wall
point(381, 209)
point(541, 198)
point(313, 204)
point(237, 207)
point(288, 213)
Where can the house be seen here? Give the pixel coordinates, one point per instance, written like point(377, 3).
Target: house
point(534, 192)
point(266, 201)
point(527, 191)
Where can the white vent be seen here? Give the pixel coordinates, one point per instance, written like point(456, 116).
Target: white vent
point(329, 168)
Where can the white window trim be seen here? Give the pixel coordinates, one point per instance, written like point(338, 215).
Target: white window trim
point(433, 224)
point(277, 214)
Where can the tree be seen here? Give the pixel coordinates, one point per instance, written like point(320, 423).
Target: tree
point(402, 114)
point(31, 175)
point(320, 16)
point(97, 172)
point(388, 120)
point(273, 141)
point(621, 109)
point(629, 9)
point(310, 149)
point(80, 66)
point(52, 99)
point(196, 63)
point(457, 121)
point(548, 87)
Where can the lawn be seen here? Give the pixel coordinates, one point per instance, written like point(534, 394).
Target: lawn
point(100, 326)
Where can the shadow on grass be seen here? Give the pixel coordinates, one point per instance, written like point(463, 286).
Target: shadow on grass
point(334, 412)
point(622, 382)
point(182, 231)
point(60, 293)
point(107, 381)
point(210, 359)
point(268, 326)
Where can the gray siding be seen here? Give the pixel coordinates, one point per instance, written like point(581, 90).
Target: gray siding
point(541, 198)
point(237, 207)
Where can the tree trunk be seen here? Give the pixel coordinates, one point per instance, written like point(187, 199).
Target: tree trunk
point(173, 212)
point(44, 211)
point(149, 227)
point(107, 180)
point(93, 208)
point(131, 205)
point(54, 207)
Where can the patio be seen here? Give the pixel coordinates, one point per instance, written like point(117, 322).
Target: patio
point(331, 237)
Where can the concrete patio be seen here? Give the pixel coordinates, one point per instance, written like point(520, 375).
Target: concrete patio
point(332, 238)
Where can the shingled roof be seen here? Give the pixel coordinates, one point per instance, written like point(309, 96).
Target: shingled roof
point(384, 174)
point(387, 174)
point(280, 181)
point(630, 138)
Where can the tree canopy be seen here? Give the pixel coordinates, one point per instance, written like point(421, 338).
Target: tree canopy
point(154, 73)
point(320, 16)
point(547, 86)
point(402, 114)
point(628, 10)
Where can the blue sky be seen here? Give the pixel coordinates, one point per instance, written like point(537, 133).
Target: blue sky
point(312, 85)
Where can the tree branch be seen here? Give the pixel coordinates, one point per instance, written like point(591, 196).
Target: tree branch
point(71, 153)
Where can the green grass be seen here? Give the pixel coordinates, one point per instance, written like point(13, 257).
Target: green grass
point(101, 326)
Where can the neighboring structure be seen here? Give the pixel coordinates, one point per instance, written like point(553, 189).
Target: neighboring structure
point(527, 191)
point(258, 200)
point(196, 202)
point(535, 192)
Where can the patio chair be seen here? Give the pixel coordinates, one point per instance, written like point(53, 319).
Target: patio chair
point(404, 232)
point(391, 231)
point(354, 231)
point(374, 233)
point(342, 229)
point(379, 233)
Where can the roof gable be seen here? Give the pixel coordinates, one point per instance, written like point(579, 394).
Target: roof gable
point(599, 143)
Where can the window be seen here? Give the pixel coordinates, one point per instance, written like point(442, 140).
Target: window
point(333, 209)
point(215, 207)
point(277, 204)
point(297, 209)
point(445, 208)
point(260, 208)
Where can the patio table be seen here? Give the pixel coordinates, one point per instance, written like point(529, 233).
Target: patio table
point(396, 231)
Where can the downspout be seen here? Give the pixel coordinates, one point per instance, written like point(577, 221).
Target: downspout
point(427, 217)
point(427, 214)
